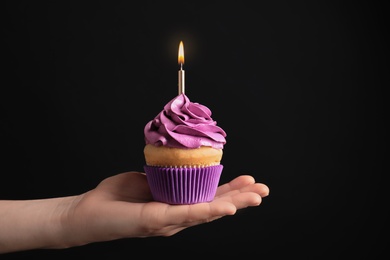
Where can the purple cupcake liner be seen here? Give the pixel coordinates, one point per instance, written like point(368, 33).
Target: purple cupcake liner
point(184, 185)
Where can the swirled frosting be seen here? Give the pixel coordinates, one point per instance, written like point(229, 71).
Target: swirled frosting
point(184, 124)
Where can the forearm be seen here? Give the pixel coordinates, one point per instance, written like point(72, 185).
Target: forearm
point(33, 224)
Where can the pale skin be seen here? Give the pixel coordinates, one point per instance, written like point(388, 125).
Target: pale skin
point(121, 206)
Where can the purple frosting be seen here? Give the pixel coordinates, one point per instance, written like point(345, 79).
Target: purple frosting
point(184, 124)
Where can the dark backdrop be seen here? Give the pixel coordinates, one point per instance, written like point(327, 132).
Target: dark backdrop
point(297, 86)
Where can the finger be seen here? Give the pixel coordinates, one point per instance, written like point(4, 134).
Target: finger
point(246, 199)
point(203, 211)
point(129, 185)
point(258, 188)
point(207, 212)
point(237, 183)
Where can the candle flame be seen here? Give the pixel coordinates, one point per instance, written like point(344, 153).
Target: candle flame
point(181, 53)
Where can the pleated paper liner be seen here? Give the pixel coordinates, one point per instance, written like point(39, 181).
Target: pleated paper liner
point(184, 185)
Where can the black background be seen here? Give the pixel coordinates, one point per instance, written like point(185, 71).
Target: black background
point(297, 85)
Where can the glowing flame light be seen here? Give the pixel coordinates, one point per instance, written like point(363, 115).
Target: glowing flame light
point(181, 53)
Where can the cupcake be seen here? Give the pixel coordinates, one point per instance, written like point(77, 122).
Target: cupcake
point(183, 152)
